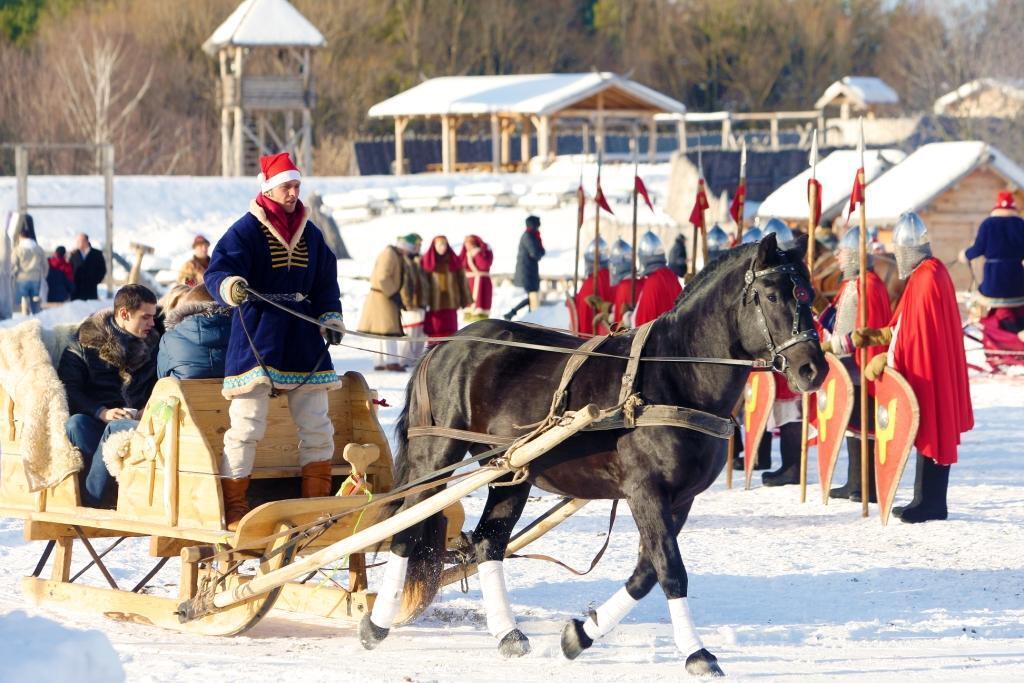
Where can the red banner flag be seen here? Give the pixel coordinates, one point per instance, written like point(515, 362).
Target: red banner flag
point(600, 199)
point(816, 208)
point(641, 189)
point(737, 202)
point(857, 195)
point(700, 204)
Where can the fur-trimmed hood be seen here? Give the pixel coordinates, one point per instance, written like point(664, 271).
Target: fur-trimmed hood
point(208, 309)
point(114, 346)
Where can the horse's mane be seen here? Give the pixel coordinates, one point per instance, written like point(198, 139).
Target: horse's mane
point(709, 273)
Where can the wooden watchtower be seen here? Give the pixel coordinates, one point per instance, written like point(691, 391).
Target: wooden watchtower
point(266, 92)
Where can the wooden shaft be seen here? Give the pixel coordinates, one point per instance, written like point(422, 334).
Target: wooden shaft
point(806, 399)
point(862, 317)
point(632, 285)
point(576, 263)
point(693, 256)
point(597, 248)
point(730, 457)
point(407, 517)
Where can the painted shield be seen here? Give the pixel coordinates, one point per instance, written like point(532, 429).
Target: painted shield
point(834, 403)
point(757, 408)
point(897, 417)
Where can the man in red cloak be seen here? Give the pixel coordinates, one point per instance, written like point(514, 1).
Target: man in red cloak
point(661, 286)
point(623, 284)
point(587, 305)
point(879, 311)
point(925, 343)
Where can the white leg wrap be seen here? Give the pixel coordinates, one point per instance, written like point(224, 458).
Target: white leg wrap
point(683, 630)
point(389, 595)
point(609, 614)
point(500, 620)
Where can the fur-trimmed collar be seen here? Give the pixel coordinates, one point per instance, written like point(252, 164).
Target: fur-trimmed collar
point(208, 309)
point(116, 347)
point(261, 215)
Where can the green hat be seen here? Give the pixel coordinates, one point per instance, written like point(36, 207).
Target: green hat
point(411, 238)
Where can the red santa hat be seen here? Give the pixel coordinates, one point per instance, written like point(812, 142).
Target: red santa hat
point(277, 169)
point(1004, 200)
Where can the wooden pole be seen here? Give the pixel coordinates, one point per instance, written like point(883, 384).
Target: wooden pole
point(636, 170)
point(862, 318)
point(581, 203)
point(597, 236)
point(409, 516)
point(812, 201)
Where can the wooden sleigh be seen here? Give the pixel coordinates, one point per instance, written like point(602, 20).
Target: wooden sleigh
point(169, 490)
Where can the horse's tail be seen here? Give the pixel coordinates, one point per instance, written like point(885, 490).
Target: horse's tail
point(423, 577)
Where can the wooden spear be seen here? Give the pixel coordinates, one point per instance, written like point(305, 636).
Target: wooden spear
point(597, 238)
point(740, 201)
point(696, 230)
point(581, 202)
point(812, 201)
point(862, 318)
point(636, 174)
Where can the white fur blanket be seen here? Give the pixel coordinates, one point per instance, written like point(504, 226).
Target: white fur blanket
point(30, 378)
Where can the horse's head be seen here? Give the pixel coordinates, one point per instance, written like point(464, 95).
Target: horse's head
point(775, 314)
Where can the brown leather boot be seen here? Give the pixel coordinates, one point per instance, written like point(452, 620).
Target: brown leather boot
point(236, 502)
point(316, 479)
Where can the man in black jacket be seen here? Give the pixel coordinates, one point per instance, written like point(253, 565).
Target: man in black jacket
point(527, 275)
point(89, 269)
point(108, 371)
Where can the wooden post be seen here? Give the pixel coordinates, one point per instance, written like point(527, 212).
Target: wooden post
point(446, 148)
point(652, 139)
point(524, 141)
point(543, 129)
point(453, 142)
point(600, 141)
point(400, 124)
point(497, 143)
point(507, 127)
point(238, 158)
point(727, 132)
point(585, 131)
point(108, 213)
point(681, 133)
point(61, 570)
point(225, 113)
point(773, 126)
point(21, 170)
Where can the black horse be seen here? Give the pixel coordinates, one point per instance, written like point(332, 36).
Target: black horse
point(752, 303)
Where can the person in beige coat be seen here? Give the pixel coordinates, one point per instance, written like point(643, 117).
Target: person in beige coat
point(29, 268)
point(382, 311)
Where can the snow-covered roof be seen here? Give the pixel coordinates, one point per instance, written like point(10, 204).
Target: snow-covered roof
point(1009, 87)
point(915, 182)
point(863, 91)
point(536, 94)
point(263, 23)
point(835, 173)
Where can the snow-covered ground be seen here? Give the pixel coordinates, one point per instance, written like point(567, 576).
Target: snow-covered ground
point(779, 590)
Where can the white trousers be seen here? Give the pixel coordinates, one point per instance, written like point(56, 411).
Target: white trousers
point(412, 326)
point(388, 353)
point(248, 417)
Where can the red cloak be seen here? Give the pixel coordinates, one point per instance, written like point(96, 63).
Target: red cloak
point(929, 351)
point(661, 289)
point(879, 313)
point(624, 295)
point(584, 312)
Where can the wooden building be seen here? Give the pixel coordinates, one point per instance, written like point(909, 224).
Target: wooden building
point(859, 96)
point(525, 105)
point(952, 186)
point(265, 49)
point(984, 97)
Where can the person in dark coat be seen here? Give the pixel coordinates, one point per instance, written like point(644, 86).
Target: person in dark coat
point(276, 251)
point(527, 275)
point(677, 256)
point(89, 268)
point(196, 341)
point(60, 279)
point(1001, 241)
point(108, 371)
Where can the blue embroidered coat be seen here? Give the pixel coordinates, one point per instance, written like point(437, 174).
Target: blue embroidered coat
point(1001, 241)
point(289, 347)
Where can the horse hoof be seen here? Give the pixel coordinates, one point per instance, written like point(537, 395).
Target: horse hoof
point(371, 635)
point(514, 644)
point(703, 663)
point(574, 639)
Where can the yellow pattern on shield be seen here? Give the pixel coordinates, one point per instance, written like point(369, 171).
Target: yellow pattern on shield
point(825, 414)
point(885, 429)
point(750, 405)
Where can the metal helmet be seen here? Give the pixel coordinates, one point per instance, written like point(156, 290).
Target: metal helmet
point(751, 235)
point(783, 235)
point(588, 255)
point(911, 242)
point(621, 261)
point(848, 254)
point(718, 241)
point(650, 253)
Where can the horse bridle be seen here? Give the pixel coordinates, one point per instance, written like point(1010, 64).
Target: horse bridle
point(802, 294)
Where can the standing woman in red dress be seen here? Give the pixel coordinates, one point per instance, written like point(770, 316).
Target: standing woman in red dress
point(448, 289)
point(477, 258)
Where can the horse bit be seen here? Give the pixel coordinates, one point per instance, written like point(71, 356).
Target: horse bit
point(802, 294)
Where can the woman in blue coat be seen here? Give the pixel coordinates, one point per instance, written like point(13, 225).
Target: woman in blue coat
point(196, 338)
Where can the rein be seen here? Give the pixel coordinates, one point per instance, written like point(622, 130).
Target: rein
point(756, 364)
